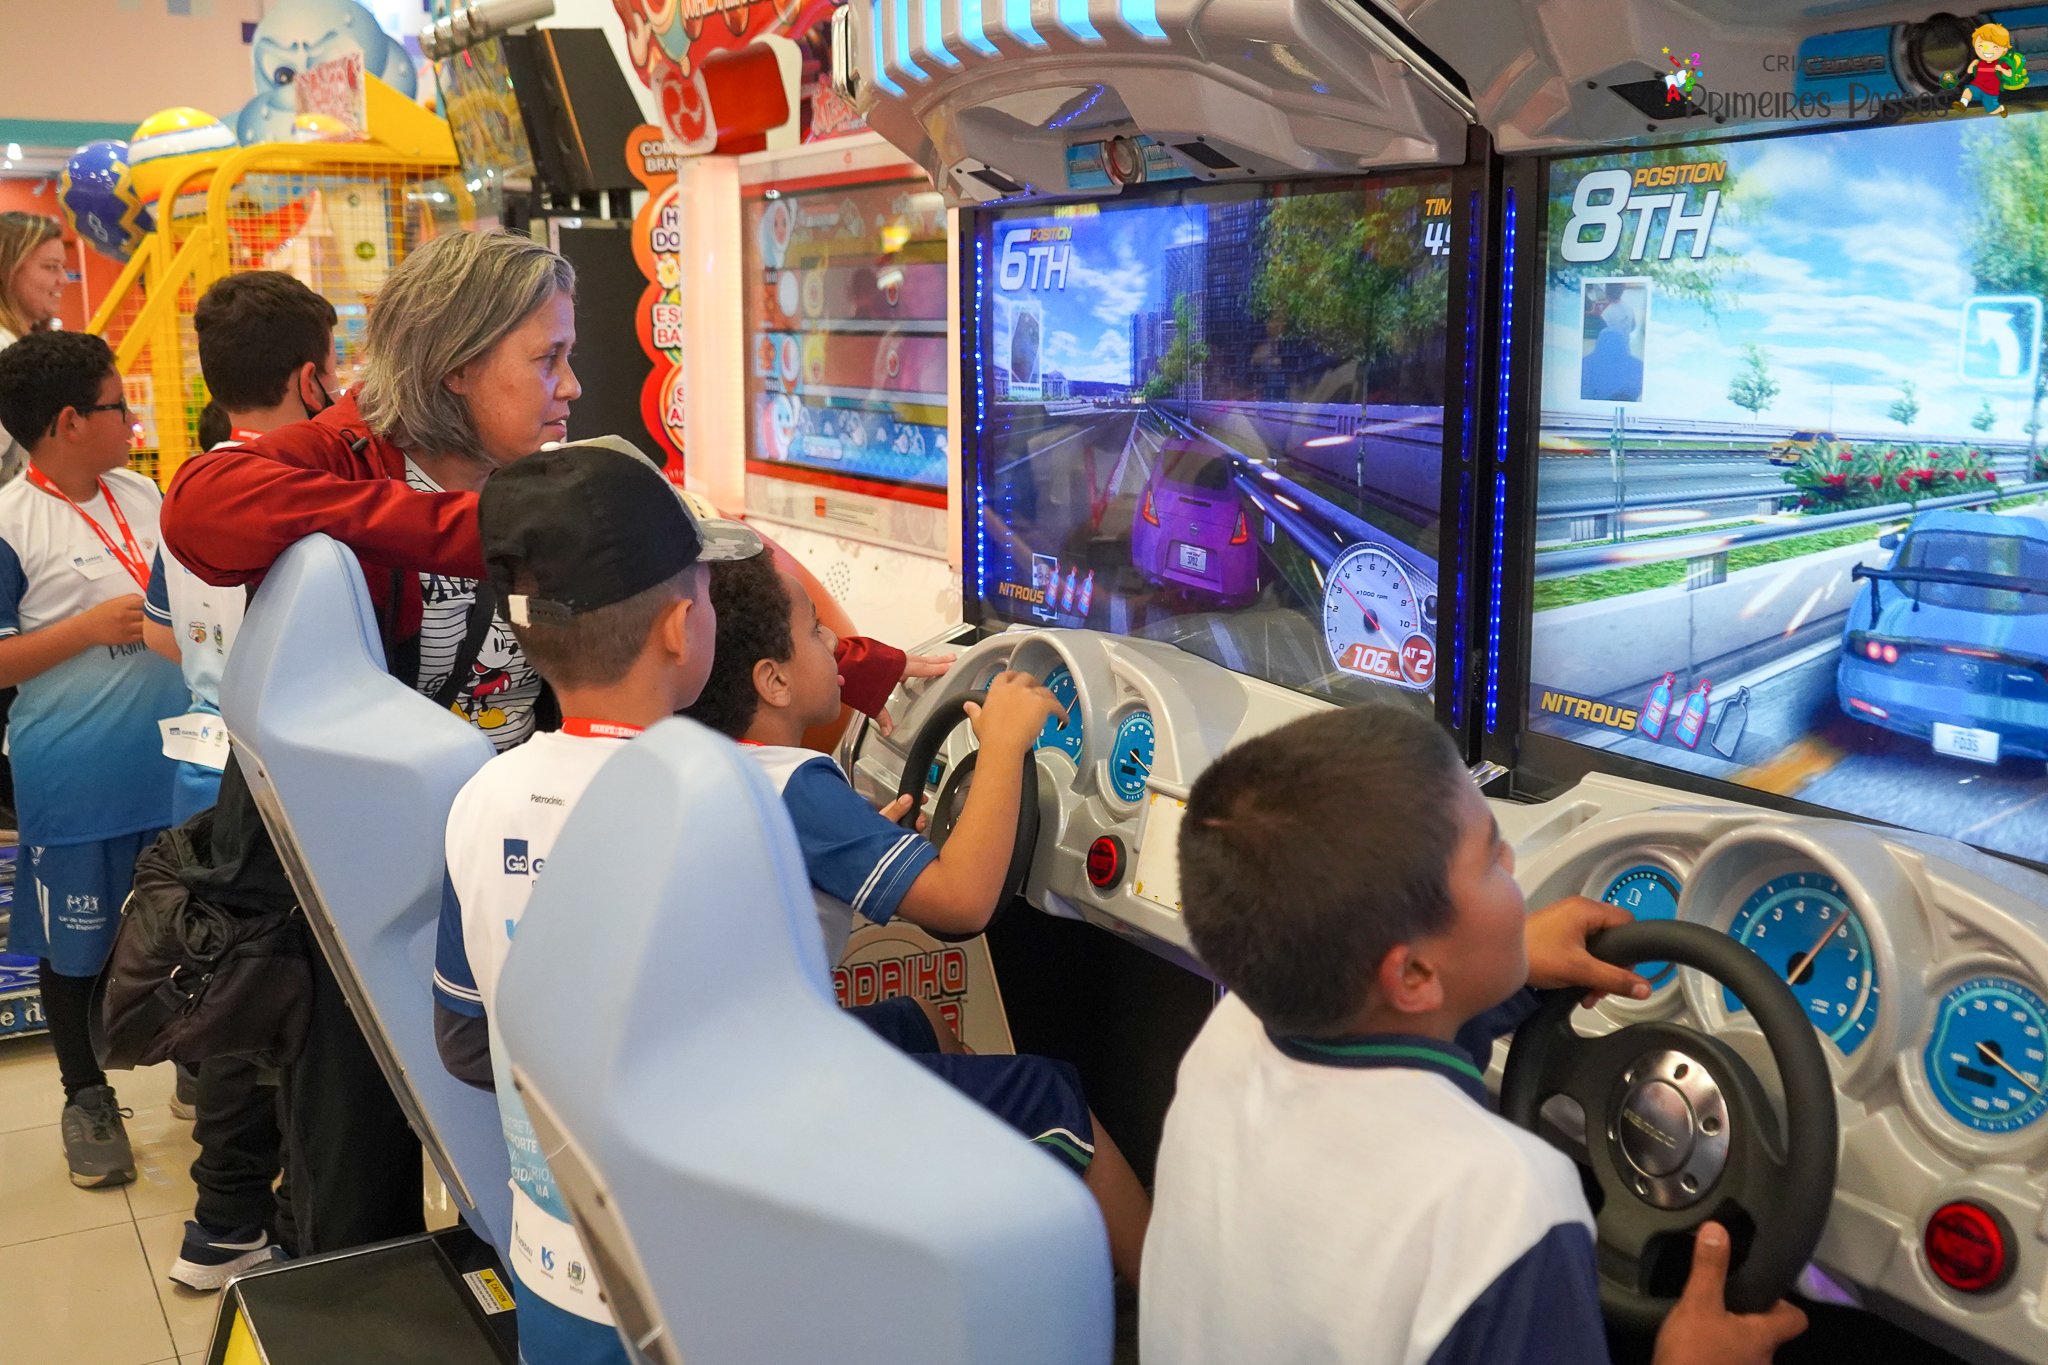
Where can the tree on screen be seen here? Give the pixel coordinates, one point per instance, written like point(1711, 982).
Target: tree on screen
point(2009, 236)
point(1906, 406)
point(1984, 418)
point(1186, 353)
point(1352, 276)
point(1753, 388)
point(1708, 282)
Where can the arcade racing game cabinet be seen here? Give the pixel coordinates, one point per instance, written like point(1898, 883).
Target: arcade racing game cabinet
point(1193, 508)
point(1169, 453)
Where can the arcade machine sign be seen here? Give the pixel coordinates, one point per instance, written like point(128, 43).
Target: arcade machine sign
point(847, 333)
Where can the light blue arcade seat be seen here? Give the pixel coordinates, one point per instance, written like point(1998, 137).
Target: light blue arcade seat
point(354, 772)
point(759, 1178)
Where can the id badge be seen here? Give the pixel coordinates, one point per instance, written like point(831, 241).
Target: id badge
point(200, 738)
point(96, 565)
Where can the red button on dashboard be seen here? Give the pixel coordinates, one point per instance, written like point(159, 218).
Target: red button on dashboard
point(1968, 1247)
point(1106, 862)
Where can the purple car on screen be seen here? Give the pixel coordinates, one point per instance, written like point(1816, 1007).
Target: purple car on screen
point(1190, 529)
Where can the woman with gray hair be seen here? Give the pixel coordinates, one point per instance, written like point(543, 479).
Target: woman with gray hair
point(468, 356)
point(468, 370)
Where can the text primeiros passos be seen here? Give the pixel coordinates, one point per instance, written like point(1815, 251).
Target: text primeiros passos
point(1862, 102)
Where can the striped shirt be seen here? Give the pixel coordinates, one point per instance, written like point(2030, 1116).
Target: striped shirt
point(502, 687)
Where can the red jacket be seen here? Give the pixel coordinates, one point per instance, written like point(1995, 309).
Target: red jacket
point(230, 513)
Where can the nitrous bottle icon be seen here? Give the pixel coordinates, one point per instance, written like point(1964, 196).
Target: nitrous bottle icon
point(1693, 720)
point(1657, 709)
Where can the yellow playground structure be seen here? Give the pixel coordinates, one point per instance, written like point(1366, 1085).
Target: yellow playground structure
point(338, 215)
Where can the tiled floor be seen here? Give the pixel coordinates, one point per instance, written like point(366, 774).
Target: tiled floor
point(82, 1271)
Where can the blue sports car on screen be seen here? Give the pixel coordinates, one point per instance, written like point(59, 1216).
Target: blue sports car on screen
point(1949, 643)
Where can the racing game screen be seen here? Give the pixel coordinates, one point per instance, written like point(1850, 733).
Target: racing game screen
point(846, 325)
point(1790, 520)
point(1214, 417)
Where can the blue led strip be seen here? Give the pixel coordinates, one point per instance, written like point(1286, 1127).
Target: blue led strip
point(1017, 19)
point(1073, 16)
point(882, 76)
point(1064, 119)
point(980, 419)
point(935, 32)
point(1142, 18)
point(1504, 377)
point(899, 12)
point(1460, 644)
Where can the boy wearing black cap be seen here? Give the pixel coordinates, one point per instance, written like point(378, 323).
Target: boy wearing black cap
point(600, 569)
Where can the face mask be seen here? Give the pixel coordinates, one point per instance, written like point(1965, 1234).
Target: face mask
point(326, 399)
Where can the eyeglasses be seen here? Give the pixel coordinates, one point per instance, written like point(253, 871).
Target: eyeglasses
point(119, 405)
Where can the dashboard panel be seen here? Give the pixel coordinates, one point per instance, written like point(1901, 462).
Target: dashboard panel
point(1923, 964)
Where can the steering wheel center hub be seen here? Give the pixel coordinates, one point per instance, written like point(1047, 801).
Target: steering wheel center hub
point(1656, 1128)
point(1672, 1129)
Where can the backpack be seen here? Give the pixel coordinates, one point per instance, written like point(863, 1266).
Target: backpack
point(2012, 70)
point(188, 980)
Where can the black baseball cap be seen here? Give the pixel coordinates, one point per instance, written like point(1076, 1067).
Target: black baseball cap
point(591, 523)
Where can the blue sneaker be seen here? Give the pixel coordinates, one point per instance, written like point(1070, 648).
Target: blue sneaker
point(210, 1259)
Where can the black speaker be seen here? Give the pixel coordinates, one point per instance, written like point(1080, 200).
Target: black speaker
point(610, 363)
point(576, 105)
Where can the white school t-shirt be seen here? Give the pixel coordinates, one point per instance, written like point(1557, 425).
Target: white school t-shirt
point(500, 831)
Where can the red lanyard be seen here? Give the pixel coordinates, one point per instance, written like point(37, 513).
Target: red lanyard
point(131, 560)
point(598, 729)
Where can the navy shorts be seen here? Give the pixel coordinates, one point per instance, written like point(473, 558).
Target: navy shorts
point(69, 906)
point(1039, 1097)
point(901, 1022)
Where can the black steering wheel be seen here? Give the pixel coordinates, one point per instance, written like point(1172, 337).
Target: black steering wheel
point(1679, 1129)
point(924, 747)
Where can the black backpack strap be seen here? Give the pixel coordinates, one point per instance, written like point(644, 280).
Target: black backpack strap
point(477, 627)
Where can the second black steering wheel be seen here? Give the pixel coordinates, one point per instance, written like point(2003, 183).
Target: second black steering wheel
point(1680, 1130)
point(917, 762)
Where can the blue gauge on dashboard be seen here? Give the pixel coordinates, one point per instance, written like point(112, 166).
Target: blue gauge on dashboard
point(1130, 759)
point(1647, 892)
point(1063, 733)
point(1803, 926)
point(1985, 1057)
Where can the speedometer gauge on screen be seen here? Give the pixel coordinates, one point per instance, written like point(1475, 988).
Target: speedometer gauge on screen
point(1214, 416)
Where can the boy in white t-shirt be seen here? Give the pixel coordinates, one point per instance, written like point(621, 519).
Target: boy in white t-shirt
point(1332, 1187)
point(600, 569)
point(92, 787)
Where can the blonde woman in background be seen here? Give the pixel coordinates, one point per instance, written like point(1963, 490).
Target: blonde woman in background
point(31, 292)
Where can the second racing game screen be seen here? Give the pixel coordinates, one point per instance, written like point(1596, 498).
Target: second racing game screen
point(1790, 477)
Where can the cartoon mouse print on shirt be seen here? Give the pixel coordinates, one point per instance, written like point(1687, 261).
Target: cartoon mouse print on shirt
point(499, 674)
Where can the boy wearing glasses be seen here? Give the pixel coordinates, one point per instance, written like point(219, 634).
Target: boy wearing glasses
point(92, 786)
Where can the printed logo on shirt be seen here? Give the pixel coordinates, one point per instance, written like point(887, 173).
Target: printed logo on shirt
point(540, 800)
point(576, 1272)
point(547, 1258)
point(197, 631)
point(82, 905)
point(519, 862)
